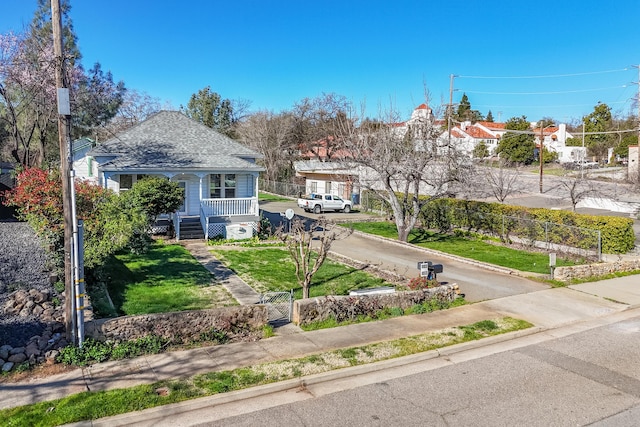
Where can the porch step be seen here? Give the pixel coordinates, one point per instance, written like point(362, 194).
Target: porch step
point(191, 229)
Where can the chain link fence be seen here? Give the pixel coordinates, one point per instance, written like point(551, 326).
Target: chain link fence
point(545, 235)
point(282, 188)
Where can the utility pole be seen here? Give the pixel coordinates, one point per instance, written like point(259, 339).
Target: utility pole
point(64, 137)
point(541, 152)
point(450, 109)
point(636, 179)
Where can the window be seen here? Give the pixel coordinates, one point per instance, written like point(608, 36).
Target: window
point(215, 186)
point(313, 187)
point(229, 186)
point(126, 182)
point(328, 187)
point(222, 185)
point(90, 166)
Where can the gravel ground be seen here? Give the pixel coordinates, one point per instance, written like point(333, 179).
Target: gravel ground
point(22, 266)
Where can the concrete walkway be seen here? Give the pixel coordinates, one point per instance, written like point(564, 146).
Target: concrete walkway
point(546, 309)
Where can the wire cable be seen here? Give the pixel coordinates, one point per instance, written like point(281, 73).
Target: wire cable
point(550, 76)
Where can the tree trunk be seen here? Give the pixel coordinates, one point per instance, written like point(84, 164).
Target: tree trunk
point(305, 289)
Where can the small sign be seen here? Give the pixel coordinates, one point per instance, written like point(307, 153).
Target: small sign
point(289, 213)
point(64, 107)
point(552, 259)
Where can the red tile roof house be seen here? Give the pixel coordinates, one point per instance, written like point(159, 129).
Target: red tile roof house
point(219, 175)
point(467, 136)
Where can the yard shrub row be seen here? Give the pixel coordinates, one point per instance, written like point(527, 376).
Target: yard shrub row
point(531, 224)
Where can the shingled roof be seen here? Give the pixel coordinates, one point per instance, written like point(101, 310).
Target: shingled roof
point(170, 140)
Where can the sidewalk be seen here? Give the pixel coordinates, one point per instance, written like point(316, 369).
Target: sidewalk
point(546, 309)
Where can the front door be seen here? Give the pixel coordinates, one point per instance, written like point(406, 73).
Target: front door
point(182, 210)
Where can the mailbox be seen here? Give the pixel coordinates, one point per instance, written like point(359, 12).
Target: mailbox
point(429, 269)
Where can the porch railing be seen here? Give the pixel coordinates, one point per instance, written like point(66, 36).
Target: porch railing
point(229, 207)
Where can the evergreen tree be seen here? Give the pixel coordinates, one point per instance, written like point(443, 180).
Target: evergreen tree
point(208, 108)
point(489, 117)
point(517, 147)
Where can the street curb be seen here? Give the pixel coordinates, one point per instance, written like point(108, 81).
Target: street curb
point(160, 412)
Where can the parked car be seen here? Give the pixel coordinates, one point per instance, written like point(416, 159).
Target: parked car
point(581, 165)
point(318, 203)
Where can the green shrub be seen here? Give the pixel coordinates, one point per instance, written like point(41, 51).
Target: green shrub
point(531, 224)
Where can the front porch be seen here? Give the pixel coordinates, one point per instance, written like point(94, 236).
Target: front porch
point(233, 218)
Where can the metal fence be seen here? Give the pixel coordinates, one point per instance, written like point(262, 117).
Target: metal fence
point(279, 305)
point(282, 188)
point(549, 236)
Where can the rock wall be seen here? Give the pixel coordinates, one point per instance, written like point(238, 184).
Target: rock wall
point(565, 274)
point(239, 322)
point(24, 307)
point(349, 307)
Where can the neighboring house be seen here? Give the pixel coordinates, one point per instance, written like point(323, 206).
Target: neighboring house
point(555, 140)
point(219, 176)
point(467, 136)
point(327, 177)
point(84, 165)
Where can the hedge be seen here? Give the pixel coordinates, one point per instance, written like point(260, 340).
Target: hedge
point(556, 226)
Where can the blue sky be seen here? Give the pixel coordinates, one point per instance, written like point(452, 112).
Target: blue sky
point(275, 53)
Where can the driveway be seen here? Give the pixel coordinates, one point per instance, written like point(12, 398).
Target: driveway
point(477, 282)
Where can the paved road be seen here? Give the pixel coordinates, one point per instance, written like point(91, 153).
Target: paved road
point(477, 283)
point(578, 375)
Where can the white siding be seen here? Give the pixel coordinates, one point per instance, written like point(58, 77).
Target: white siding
point(245, 186)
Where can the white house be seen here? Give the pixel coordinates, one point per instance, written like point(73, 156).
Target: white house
point(219, 176)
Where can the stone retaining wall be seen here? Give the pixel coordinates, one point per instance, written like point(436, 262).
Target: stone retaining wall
point(349, 307)
point(239, 322)
point(565, 274)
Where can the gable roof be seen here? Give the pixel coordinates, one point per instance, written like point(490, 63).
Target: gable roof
point(171, 140)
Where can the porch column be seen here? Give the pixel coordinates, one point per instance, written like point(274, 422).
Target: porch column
point(255, 180)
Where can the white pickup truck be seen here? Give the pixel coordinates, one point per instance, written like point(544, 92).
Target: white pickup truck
point(318, 203)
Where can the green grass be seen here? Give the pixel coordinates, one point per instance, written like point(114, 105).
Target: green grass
point(167, 278)
point(266, 197)
point(94, 405)
point(272, 270)
point(467, 247)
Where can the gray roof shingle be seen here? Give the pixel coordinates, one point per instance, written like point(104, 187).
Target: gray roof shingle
point(170, 140)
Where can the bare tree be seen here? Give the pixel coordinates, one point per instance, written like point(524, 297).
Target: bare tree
point(303, 243)
point(403, 163)
point(501, 181)
point(270, 135)
point(136, 107)
point(577, 189)
point(316, 124)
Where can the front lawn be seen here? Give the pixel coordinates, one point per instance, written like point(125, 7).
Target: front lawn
point(467, 247)
point(271, 269)
point(167, 278)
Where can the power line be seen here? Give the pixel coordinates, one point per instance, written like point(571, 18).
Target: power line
point(543, 93)
point(544, 76)
point(545, 106)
